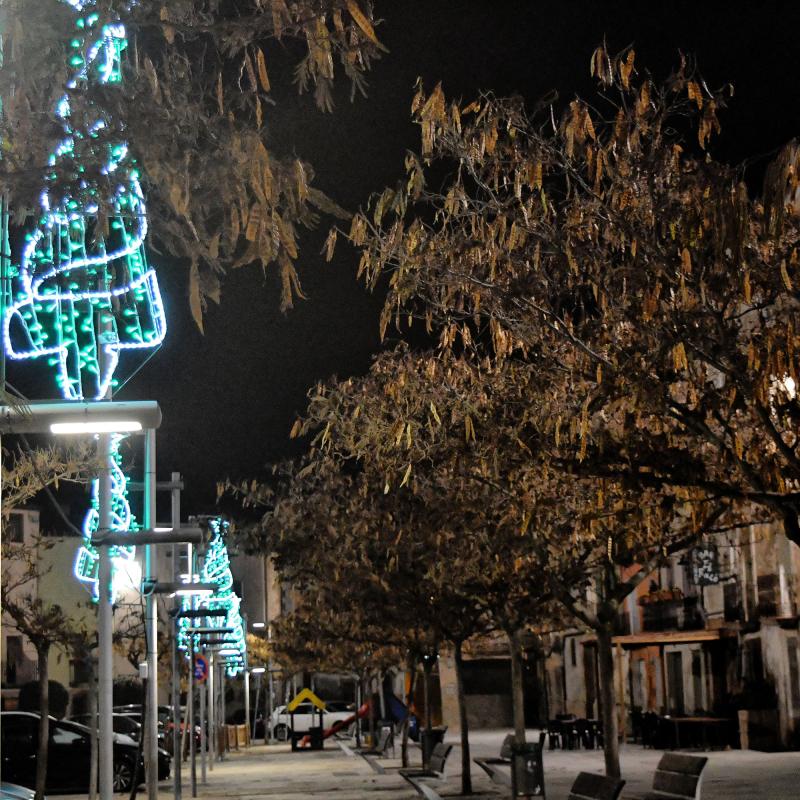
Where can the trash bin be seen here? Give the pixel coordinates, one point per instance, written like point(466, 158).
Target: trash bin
point(429, 739)
point(315, 735)
point(527, 774)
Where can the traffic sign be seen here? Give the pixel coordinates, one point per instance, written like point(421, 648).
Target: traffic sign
point(200, 669)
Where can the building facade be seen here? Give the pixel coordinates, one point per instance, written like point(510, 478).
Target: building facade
point(713, 632)
point(55, 584)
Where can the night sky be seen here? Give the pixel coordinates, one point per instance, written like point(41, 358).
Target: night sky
point(229, 397)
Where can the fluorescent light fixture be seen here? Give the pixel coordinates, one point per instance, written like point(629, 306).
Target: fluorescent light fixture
point(163, 530)
point(258, 625)
point(229, 651)
point(258, 670)
point(97, 426)
point(194, 592)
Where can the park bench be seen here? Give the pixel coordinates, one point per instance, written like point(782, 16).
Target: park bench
point(372, 754)
point(499, 769)
point(588, 786)
point(677, 777)
point(495, 768)
point(417, 777)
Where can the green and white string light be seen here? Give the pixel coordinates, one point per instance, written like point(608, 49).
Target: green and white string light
point(216, 569)
point(81, 299)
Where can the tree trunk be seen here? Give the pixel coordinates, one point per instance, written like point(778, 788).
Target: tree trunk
point(42, 652)
point(517, 691)
point(93, 726)
point(466, 775)
point(407, 722)
point(608, 704)
point(371, 690)
point(426, 694)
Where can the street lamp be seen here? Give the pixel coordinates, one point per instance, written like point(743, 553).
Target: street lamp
point(104, 418)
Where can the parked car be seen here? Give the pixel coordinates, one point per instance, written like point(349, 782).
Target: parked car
point(10, 791)
point(307, 716)
point(121, 723)
point(135, 711)
point(134, 714)
point(68, 754)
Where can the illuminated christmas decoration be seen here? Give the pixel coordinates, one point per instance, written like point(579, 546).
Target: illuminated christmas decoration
point(85, 298)
point(83, 292)
point(122, 558)
point(216, 569)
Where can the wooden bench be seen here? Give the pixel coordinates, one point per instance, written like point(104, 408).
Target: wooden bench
point(417, 777)
point(385, 741)
point(372, 754)
point(677, 777)
point(499, 769)
point(495, 768)
point(588, 786)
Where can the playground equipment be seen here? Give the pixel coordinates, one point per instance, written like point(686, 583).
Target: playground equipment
point(339, 726)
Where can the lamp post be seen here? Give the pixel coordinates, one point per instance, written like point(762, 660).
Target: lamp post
point(101, 418)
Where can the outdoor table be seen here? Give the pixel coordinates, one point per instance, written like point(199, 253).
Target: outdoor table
point(704, 722)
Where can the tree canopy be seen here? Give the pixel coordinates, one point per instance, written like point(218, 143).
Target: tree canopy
point(194, 103)
point(606, 247)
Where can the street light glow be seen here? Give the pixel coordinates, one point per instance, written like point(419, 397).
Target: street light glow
point(258, 625)
point(96, 426)
point(258, 670)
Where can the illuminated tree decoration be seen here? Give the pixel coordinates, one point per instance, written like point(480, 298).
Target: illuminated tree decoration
point(83, 296)
point(125, 573)
point(216, 569)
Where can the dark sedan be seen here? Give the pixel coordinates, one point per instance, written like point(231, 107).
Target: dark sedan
point(68, 754)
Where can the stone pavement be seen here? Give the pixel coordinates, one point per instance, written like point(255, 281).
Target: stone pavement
point(276, 772)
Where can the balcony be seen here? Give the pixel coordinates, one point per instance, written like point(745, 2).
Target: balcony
point(670, 610)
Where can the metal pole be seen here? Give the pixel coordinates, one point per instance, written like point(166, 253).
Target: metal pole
point(212, 710)
point(151, 619)
point(223, 715)
point(203, 733)
point(190, 708)
point(247, 699)
point(255, 705)
point(271, 689)
point(177, 755)
point(270, 682)
point(105, 627)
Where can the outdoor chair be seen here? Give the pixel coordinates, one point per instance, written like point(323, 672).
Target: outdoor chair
point(589, 786)
point(553, 731)
point(636, 724)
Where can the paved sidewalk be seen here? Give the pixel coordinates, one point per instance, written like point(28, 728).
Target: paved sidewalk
point(276, 772)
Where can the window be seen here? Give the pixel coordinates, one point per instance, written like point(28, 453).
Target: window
point(752, 660)
point(61, 735)
point(286, 598)
point(14, 528)
point(18, 735)
point(78, 672)
point(14, 659)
